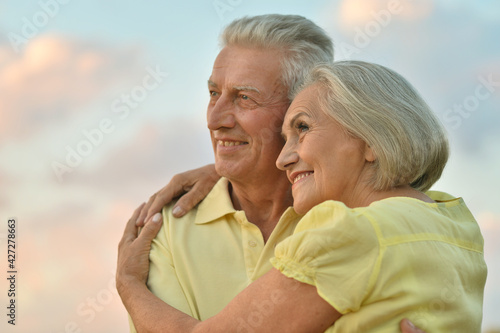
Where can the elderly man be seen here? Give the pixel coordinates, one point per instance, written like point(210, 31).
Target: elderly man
point(201, 262)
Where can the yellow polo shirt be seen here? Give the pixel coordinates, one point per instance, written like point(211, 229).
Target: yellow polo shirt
point(397, 258)
point(201, 261)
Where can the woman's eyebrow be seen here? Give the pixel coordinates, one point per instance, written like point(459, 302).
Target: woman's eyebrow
point(292, 121)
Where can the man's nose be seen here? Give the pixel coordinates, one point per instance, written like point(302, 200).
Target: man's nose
point(221, 114)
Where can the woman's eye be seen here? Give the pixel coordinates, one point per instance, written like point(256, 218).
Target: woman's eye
point(302, 127)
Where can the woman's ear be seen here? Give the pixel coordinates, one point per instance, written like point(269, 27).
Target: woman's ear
point(369, 154)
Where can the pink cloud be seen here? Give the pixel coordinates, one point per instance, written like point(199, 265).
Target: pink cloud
point(490, 227)
point(69, 259)
point(145, 161)
point(356, 13)
point(54, 77)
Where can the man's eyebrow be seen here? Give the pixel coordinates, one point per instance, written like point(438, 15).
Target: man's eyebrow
point(238, 88)
point(246, 88)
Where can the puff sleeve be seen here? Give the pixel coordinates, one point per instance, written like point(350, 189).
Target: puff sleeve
point(335, 249)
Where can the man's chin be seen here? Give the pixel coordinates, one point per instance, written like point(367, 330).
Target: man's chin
point(231, 170)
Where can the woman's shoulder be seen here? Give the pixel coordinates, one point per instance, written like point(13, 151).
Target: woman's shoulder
point(333, 214)
point(388, 212)
point(339, 209)
point(444, 205)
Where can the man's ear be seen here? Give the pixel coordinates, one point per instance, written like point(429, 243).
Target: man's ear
point(369, 154)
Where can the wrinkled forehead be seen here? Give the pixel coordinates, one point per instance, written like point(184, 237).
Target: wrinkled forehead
point(306, 100)
point(246, 66)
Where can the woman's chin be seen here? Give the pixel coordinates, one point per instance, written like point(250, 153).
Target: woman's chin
point(302, 208)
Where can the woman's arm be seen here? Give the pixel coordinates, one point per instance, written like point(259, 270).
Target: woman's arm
point(273, 303)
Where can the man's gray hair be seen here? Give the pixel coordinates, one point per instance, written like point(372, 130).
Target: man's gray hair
point(304, 44)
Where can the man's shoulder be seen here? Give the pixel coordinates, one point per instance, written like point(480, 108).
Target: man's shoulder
point(215, 205)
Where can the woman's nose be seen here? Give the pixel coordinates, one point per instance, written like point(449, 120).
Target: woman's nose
point(287, 157)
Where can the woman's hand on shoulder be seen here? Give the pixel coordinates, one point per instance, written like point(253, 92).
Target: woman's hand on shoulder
point(191, 187)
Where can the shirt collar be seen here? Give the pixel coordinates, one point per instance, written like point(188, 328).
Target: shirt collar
point(217, 204)
point(439, 196)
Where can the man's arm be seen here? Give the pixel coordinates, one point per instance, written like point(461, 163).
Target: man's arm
point(192, 186)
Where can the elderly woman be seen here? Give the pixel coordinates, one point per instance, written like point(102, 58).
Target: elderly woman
point(372, 247)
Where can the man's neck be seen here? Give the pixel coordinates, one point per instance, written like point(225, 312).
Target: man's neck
point(264, 202)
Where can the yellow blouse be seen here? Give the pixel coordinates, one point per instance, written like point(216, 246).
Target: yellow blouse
point(397, 258)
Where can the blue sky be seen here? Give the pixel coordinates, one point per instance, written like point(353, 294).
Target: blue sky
point(136, 73)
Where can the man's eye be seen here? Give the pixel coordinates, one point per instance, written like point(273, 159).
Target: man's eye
point(245, 97)
point(213, 93)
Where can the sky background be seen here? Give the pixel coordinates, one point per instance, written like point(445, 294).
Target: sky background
point(101, 102)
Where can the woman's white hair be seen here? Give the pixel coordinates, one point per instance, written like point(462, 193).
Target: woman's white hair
point(383, 109)
point(304, 44)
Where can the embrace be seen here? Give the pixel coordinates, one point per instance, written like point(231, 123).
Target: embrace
point(354, 149)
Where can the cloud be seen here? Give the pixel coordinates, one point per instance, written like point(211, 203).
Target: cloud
point(486, 9)
point(490, 227)
point(7, 182)
point(445, 69)
point(78, 260)
point(145, 161)
point(357, 13)
point(54, 77)
point(80, 222)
